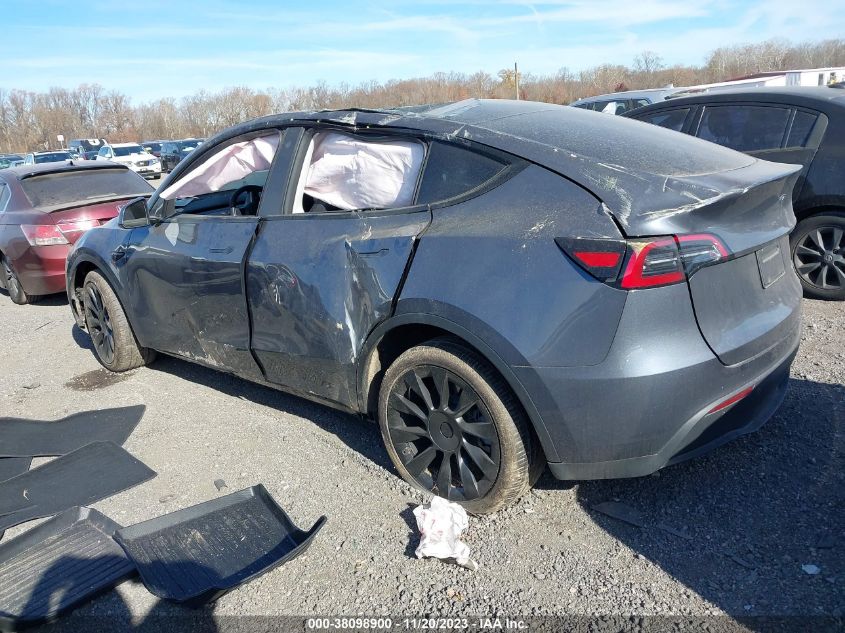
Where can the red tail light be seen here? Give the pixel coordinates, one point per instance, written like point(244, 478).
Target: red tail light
point(43, 234)
point(670, 260)
point(648, 262)
point(653, 263)
point(601, 258)
point(74, 228)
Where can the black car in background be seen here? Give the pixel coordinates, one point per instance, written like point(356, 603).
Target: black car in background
point(153, 147)
point(801, 125)
point(172, 152)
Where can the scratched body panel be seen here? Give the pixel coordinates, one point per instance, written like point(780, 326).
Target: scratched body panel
point(317, 288)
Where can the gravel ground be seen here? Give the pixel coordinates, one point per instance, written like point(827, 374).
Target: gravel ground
point(724, 534)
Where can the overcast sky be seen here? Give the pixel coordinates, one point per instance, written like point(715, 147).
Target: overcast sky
point(155, 48)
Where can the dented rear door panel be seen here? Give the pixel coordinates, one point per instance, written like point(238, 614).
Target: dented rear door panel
point(317, 285)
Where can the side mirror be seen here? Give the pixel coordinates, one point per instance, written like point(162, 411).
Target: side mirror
point(134, 213)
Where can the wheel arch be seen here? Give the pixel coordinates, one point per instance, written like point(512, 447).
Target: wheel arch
point(399, 333)
point(78, 271)
point(819, 209)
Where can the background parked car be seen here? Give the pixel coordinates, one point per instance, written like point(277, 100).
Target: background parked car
point(152, 147)
point(133, 156)
point(89, 154)
point(172, 152)
point(86, 144)
point(38, 158)
point(621, 102)
point(804, 126)
point(10, 160)
point(44, 209)
point(496, 304)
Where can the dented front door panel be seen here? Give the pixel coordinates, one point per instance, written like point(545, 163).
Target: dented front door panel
point(316, 286)
point(184, 279)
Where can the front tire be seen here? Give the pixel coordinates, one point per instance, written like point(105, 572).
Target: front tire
point(818, 254)
point(13, 285)
point(114, 343)
point(452, 426)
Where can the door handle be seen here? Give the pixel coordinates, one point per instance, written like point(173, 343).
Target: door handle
point(224, 251)
point(119, 253)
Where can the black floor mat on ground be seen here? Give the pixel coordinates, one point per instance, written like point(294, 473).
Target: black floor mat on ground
point(79, 478)
point(197, 554)
point(57, 566)
point(13, 466)
point(32, 438)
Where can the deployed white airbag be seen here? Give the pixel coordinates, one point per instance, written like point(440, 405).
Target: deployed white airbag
point(350, 173)
point(234, 162)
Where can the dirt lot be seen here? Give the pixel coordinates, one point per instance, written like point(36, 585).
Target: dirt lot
point(728, 533)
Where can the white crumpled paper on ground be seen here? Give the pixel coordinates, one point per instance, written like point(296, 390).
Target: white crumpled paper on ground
point(441, 523)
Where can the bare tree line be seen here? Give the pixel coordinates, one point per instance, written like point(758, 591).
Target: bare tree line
point(31, 120)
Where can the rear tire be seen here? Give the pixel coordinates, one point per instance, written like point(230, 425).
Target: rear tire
point(477, 431)
point(114, 343)
point(13, 285)
point(818, 253)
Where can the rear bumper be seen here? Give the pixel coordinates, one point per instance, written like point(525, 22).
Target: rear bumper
point(697, 436)
point(147, 171)
point(41, 269)
point(646, 405)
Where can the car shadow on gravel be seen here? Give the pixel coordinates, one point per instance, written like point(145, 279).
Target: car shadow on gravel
point(46, 301)
point(360, 435)
point(756, 527)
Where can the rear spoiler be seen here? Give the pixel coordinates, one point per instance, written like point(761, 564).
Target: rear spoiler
point(90, 203)
point(69, 166)
point(758, 196)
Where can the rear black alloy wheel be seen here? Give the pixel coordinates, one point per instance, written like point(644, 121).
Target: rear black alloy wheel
point(818, 253)
point(98, 320)
point(453, 427)
point(443, 433)
point(13, 285)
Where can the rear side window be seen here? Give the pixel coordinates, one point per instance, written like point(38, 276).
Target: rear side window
point(743, 127)
point(671, 119)
point(802, 125)
point(452, 171)
point(80, 187)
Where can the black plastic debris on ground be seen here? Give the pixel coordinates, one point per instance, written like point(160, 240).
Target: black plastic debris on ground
point(58, 565)
point(32, 438)
point(198, 554)
point(86, 475)
point(13, 466)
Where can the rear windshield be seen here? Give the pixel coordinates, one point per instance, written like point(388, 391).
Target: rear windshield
point(53, 157)
point(126, 151)
point(78, 187)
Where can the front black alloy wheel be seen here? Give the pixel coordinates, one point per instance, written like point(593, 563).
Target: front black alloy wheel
point(818, 253)
point(453, 427)
point(98, 320)
point(114, 342)
point(443, 433)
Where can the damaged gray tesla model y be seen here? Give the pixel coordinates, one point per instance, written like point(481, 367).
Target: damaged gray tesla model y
point(502, 285)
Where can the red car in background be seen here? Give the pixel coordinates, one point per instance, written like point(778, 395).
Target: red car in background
point(44, 209)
